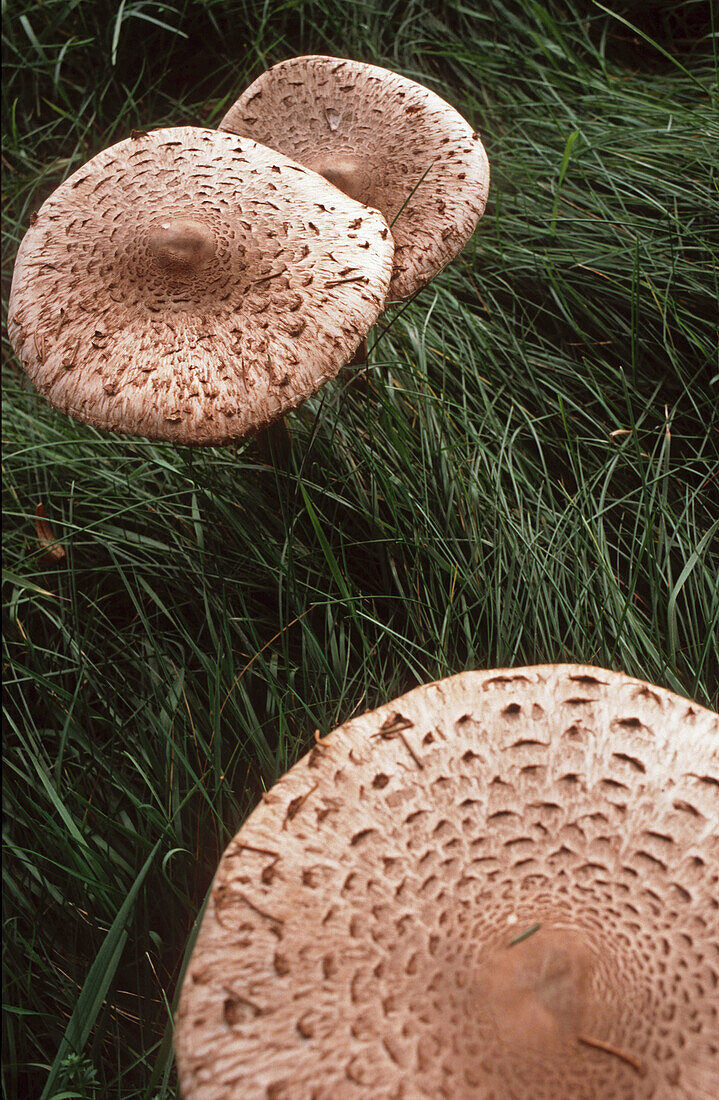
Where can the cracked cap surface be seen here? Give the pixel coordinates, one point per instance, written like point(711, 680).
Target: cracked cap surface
point(193, 286)
point(500, 884)
point(377, 136)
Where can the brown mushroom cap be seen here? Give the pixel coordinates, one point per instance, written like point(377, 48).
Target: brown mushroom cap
point(194, 286)
point(503, 884)
point(375, 134)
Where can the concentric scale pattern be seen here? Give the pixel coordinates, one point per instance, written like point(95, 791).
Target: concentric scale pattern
point(384, 139)
point(502, 885)
point(194, 286)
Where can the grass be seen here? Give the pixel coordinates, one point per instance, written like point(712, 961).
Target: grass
point(525, 472)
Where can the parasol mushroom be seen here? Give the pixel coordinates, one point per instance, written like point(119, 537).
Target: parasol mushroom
point(193, 286)
point(503, 884)
point(383, 139)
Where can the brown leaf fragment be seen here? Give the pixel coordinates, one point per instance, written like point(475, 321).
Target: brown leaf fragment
point(51, 549)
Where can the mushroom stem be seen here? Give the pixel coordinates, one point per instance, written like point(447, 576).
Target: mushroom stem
point(609, 1048)
point(352, 370)
point(360, 356)
point(274, 444)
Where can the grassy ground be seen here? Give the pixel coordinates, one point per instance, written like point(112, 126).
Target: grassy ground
point(526, 472)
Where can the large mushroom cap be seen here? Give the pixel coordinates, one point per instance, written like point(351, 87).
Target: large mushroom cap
point(377, 136)
point(504, 884)
point(192, 285)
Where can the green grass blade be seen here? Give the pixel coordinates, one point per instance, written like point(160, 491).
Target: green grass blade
point(98, 981)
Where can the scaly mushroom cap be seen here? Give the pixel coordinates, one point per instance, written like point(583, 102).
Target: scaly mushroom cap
point(193, 286)
point(376, 135)
point(504, 884)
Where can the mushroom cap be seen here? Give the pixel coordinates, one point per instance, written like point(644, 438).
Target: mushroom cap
point(194, 286)
point(376, 135)
point(501, 884)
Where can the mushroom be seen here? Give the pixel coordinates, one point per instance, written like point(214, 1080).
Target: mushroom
point(383, 139)
point(503, 884)
point(194, 286)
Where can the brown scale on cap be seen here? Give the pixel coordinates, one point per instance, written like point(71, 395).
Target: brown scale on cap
point(504, 884)
point(377, 136)
point(194, 286)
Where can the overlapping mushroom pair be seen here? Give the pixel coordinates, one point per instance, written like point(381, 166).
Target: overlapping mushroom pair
point(194, 285)
point(502, 885)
